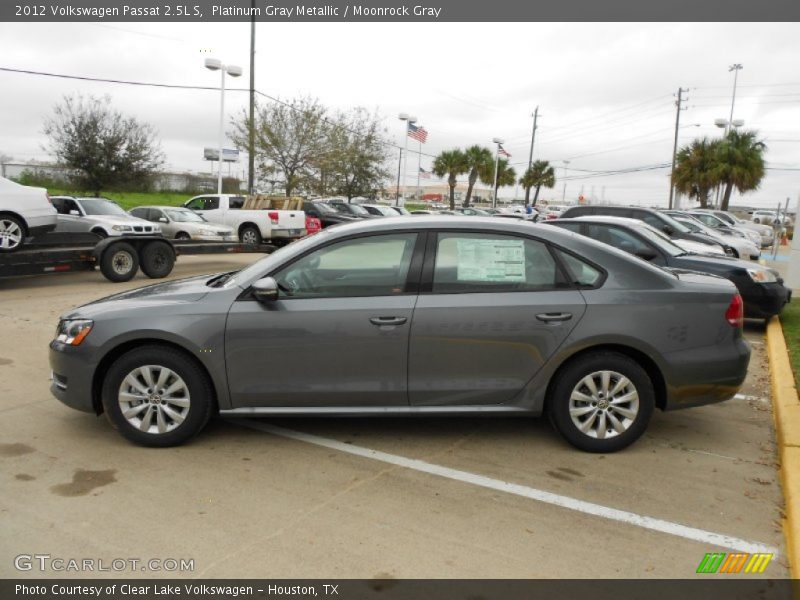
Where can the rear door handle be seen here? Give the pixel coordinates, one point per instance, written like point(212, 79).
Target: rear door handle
point(554, 317)
point(381, 321)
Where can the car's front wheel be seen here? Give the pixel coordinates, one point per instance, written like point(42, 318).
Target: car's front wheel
point(157, 396)
point(602, 402)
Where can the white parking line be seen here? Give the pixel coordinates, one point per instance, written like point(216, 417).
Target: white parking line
point(746, 397)
point(589, 508)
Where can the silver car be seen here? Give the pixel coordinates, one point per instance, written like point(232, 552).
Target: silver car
point(100, 216)
point(183, 224)
point(407, 316)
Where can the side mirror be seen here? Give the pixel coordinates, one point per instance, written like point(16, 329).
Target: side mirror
point(265, 290)
point(75, 213)
point(646, 253)
point(668, 229)
point(163, 220)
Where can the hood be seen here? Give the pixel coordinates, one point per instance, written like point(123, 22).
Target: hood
point(723, 261)
point(699, 247)
point(170, 292)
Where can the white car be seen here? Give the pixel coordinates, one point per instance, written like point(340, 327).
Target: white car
point(183, 224)
point(768, 217)
point(742, 246)
point(24, 212)
point(100, 216)
point(763, 234)
point(554, 211)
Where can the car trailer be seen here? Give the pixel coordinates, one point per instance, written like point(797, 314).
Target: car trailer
point(119, 258)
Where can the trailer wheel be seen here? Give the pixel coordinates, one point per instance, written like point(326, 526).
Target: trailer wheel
point(119, 262)
point(157, 259)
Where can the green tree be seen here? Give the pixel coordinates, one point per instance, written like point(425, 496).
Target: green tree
point(355, 161)
point(450, 164)
point(695, 173)
point(540, 174)
point(290, 139)
point(477, 159)
point(106, 148)
point(739, 163)
point(506, 175)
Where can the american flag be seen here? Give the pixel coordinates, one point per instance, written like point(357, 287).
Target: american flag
point(417, 133)
point(502, 151)
point(424, 174)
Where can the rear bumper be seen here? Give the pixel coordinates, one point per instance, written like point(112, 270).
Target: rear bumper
point(288, 234)
point(721, 373)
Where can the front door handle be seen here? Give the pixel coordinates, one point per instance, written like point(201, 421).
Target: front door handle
point(554, 317)
point(382, 321)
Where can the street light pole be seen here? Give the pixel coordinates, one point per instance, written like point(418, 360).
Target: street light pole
point(678, 103)
point(213, 64)
point(406, 118)
point(564, 193)
point(735, 68)
point(497, 142)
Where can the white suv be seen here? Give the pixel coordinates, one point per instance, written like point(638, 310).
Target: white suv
point(24, 212)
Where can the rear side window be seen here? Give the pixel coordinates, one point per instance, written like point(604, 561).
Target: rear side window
point(580, 272)
point(236, 202)
point(467, 262)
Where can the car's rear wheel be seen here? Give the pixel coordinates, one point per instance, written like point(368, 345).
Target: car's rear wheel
point(12, 233)
point(250, 235)
point(157, 396)
point(602, 402)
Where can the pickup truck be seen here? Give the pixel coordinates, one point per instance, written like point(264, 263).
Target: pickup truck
point(253, 226)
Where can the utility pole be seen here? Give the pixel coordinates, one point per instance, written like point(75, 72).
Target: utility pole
point(678, 110)
point(251, 134)
point(399, 167)
point(530, 156)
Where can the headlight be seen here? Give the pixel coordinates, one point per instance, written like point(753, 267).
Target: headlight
point(206, 232)
point(73, 331)
point(122, 228)
point(762, 276)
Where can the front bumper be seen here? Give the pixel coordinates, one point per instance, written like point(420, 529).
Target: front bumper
point(72, 373)
point(216, 238)
point(762, 301)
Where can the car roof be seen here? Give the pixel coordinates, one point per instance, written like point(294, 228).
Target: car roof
point(604, 219)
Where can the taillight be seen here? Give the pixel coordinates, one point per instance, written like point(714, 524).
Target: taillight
point(273, 216)
point(735, 313)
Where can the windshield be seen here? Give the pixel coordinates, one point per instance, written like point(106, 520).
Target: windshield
point(680, 227)
point(100, 206)
point(184, 216)
point(352, 209)
point(660, 240)
point(696, 226)
point(400, 210)
point(326, 209)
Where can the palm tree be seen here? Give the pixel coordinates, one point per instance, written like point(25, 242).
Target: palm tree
point(539, 174)
point(477, 159)
point(695, 172)
point(450, 164)
point(740, 163)
point(506, 175)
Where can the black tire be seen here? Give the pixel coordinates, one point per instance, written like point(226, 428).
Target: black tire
point(119, 262)
point(156, 259)
point(12, 233)
point(572, 376)
point(251, 233)
point(182, 235)
point(199, 403)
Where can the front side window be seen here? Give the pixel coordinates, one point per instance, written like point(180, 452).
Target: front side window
point(196, 204)
point(617, 237)
point(476, 262)
point(366, 266)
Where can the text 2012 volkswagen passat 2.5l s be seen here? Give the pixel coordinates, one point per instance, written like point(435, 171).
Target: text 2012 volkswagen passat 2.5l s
point(408, 316)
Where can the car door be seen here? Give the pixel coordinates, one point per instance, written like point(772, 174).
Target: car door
point(168, 228)
point(493, 308)
point(70, 217)
point(338, 334)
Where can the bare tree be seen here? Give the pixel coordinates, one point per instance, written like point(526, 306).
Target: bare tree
point(105, 147)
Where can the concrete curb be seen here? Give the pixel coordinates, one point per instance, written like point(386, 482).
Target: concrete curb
point(786, 407)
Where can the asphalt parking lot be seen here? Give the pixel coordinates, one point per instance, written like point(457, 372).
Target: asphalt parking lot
point(256, 498)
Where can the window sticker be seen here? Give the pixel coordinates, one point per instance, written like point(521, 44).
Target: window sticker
point(491, 260)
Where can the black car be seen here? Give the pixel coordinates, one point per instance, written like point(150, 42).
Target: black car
point(326, 213)
point(657, 219)
point(761, 288)
point(355, 211)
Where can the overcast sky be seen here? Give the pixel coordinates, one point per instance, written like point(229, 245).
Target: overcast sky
point(605, 91)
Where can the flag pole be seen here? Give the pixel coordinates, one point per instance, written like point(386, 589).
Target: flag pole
point(419, 167)
point(496, 160)
point(405, 168)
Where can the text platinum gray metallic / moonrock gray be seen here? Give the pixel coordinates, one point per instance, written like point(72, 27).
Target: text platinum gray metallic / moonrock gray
point(407, 316)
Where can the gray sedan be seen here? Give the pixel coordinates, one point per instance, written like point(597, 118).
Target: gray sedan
point(184, 224)
point(408, 316)
point(100, 216)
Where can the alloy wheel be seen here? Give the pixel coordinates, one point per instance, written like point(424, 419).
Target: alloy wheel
point(604, 404)
point(154, 399)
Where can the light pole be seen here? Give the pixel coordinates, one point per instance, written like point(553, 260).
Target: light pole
point(214, 64)
point(735, 68)
point(497, 142)
point(564, 193)
point(406, 118)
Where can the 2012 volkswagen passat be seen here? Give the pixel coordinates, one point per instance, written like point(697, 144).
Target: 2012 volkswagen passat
point(408, 316)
